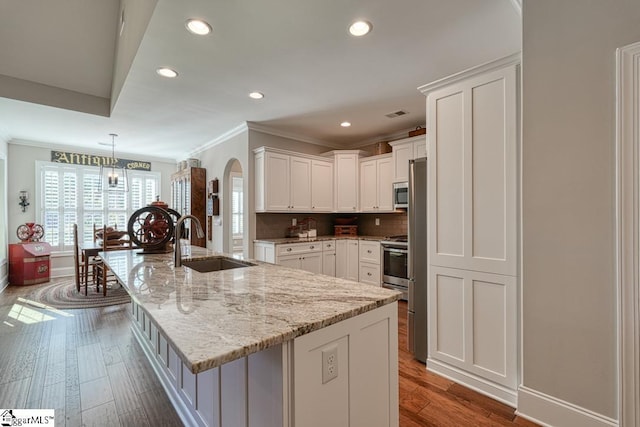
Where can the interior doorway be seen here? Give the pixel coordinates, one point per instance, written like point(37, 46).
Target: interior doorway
point(628, 230)
point(235, 222)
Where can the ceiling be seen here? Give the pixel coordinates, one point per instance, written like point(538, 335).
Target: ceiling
point(70, 74)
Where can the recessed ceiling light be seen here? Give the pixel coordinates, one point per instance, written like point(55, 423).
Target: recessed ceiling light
point(360, 28)
point(167, 72)
point(256, 95)
point(345, 124)
point(198, 26)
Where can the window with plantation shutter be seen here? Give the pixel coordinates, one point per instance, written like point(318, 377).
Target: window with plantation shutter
point(70, 194)
point(236, 205)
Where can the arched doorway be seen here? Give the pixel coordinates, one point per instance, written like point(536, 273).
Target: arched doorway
point(234, 210)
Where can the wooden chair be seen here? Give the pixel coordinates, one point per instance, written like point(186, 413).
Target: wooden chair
point(108, 244)
point(82, 266)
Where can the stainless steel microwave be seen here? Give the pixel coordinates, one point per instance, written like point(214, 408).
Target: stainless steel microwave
point(401, 195)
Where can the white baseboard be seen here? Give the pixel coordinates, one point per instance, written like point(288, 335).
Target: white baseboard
point(62, 272)
point(550, 411)
point(474, 382)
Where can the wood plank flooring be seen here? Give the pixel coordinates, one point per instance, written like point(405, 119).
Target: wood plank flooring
point(87, 366)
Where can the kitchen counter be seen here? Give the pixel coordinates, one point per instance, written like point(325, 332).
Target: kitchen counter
point(214, 318)
point(288, 240)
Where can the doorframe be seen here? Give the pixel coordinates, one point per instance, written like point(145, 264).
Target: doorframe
point(628, 231)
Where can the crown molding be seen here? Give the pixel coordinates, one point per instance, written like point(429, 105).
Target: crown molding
point(513, 59)
point(98, 151)
point(220, 139)
point(290, 135)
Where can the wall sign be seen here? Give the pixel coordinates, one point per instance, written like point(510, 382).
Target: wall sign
point(91, 160)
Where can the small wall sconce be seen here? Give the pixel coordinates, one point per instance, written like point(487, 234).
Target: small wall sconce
point(24, 200)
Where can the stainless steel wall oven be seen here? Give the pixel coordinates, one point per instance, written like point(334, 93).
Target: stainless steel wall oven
point(395, 264)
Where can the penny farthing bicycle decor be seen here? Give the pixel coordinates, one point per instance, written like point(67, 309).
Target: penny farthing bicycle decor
point(152, 228)
point(30, 232)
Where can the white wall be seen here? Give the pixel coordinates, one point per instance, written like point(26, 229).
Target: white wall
point(569, 293)
point(21, 175)
point(4, 261)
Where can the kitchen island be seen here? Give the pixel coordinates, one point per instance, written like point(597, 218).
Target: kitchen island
point(264, 344)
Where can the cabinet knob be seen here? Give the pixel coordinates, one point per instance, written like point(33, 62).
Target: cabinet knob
point(369, 274)
point(289, 249)
point(311, 247)
point(368, 251)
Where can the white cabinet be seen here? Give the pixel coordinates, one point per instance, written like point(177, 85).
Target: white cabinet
point(305, 256)
point(369, 262)
point(264, 251)
point(376, 184)
point(321, 186)
point(473, 224)
point(405, 150)
point(346, 181)
point(329, 258)
point(292, 183)
point(347, 259)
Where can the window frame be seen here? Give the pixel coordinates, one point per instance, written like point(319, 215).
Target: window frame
point(80, 210)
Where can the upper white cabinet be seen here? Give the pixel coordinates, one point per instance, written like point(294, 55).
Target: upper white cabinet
point(405, 150)
point(376, 184)
point(321, 186)
point(472, 182)
point(346, 181)
point(292, 183)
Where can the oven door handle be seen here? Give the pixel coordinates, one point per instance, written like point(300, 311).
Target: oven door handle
point(396, 251)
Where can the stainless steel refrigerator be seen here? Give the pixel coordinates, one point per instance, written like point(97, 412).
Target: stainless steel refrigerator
point(417, 295)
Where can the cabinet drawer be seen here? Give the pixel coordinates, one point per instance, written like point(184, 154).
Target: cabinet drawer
point(369, 273)
point(370, 252)
point(329, 246)
point(298, 248)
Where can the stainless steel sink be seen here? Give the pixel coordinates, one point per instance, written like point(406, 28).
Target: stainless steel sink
point(217, 263)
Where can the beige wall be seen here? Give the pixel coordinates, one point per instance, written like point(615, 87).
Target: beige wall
point(218, 160)
point(4, 262)
point(569, 293)
point(21, 160)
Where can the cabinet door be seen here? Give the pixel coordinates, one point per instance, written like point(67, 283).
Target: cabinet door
point(472, 167)
point(292, 261)
point(473, 322)
point(329, 263)
point(321, 186)
point(277, 182)
point(420, 149)
point(346, 183)
point(384, 169)
point(369, 252)
point(402, 153)
point(353, 267)
point(368, 186)
point(311, 262)
point(300, 184)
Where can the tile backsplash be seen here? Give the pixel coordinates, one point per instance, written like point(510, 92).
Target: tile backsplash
point(274, 225)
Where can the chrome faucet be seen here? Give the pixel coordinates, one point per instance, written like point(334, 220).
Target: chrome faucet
point(177, 258)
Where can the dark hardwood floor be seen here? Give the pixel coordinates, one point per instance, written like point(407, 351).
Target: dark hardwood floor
point(87, 366)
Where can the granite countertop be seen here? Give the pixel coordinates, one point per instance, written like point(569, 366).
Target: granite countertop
point(214, 318)
point(287, 240)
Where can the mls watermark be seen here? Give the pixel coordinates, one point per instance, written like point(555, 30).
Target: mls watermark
point(26, 417)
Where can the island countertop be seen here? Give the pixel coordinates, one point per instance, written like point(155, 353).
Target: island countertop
point(214, 318)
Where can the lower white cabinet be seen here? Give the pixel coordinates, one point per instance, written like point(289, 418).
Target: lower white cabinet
point(473, 328)
point(264, 251)
point(329, 258)
point(347, 257)
point(369, 262)
point(305, 256)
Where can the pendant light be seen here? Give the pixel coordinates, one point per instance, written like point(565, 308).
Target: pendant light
point(113, 177)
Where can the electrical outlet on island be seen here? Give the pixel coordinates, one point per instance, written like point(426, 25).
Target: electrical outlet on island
point(329, 364)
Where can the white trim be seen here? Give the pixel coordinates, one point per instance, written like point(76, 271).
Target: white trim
point(627, 232)
point(555, 412)
point(220, 139)
point(513, 59)
point(474, 382)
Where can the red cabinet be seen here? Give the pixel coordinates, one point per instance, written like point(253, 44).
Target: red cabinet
point(29, 263)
